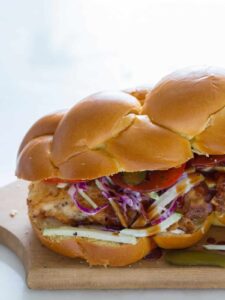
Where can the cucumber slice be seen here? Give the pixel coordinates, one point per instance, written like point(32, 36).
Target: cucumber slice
point(88, 232)
point(152, 230)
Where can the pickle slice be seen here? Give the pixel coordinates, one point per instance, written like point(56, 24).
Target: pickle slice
point(195, 258)
point(134, 178)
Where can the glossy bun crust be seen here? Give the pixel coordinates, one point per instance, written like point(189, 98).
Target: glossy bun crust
point(134, 130)
point(95, 252)
point(103, 134)
point(191, 102)
point(168, 240)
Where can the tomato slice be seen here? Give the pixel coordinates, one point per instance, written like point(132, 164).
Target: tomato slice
point(204, 161)
point(60, 180)
point(154, 180)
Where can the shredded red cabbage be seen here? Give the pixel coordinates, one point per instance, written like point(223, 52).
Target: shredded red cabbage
point(82, 185)
point(125, 197)
point(88, 211)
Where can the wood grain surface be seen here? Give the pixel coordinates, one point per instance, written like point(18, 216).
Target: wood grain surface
point(47, 270)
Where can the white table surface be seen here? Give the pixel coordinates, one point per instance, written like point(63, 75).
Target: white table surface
point(53, 53)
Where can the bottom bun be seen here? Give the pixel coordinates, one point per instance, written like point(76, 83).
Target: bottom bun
point(167, 240)
point(219, 219)
point(96, 252)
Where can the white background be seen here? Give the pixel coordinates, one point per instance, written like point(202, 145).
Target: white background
point(53, 53)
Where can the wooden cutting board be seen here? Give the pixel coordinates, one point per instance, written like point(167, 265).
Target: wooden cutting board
point(47, 270)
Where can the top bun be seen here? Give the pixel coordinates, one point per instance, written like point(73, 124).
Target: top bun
point(191, 102)
point(101, 135)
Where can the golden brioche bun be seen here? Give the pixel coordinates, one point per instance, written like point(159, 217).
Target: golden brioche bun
point(95, 252)
point(191, 102)
point(34, 160)
point(101, 135)
point(135, 130)
point(44, 126)
point(168, 240)
point(145, 145)
point(140, 92)
point(212, 139)
point(219, 219)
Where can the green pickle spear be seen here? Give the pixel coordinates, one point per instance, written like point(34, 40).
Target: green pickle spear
point(195, 258)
